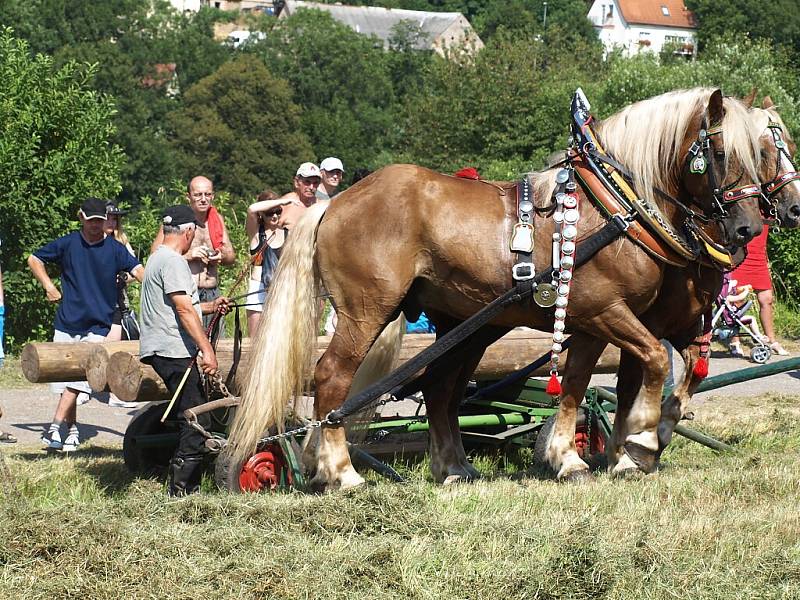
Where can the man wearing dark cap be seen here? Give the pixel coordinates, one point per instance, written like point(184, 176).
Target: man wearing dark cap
point(172, 333)
point(89, 262)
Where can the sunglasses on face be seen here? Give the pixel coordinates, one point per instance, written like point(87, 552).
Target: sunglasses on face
point(275, 212)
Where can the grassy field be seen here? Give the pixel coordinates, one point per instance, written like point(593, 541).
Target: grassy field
point(706, 526)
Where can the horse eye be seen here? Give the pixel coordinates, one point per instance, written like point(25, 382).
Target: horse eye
point(719, 154)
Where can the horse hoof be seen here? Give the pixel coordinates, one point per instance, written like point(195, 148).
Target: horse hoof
point(643, 458)
point(580, 476)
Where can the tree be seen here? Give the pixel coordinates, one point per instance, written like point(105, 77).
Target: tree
point(504, 110)
point(241, 128)
point(55, 151)
point(777, 21)
point(342, 81)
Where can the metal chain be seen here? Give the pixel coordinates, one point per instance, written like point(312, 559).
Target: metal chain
point(293, 433)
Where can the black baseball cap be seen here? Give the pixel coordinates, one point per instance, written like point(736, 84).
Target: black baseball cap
point(113, 209)
point(93, 208)
point(178, 215)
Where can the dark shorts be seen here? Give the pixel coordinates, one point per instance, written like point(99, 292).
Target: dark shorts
point(209, 295)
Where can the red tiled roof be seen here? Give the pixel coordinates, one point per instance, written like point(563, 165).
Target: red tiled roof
point(649, 12)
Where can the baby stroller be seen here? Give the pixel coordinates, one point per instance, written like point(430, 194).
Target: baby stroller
point(730, 320)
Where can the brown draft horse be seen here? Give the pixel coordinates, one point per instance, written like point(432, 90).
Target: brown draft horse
point(687, 294)
point(408, 239)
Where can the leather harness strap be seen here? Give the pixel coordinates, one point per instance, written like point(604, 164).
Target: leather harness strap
point(637, 232)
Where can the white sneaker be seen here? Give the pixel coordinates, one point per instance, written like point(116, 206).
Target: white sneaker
point(52, 441)
point(71, 443)
point(115, 402)
point(83, 398)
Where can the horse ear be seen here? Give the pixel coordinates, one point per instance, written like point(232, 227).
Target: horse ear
point(750, 98)
point(716, 110)
point(767, 102)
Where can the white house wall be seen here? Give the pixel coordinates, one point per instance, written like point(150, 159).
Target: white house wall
point(614, 32)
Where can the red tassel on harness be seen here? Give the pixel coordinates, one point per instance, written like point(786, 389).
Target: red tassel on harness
point(701, 368)
point(553, 386)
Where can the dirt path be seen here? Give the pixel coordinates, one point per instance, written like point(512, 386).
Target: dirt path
point(27, 412)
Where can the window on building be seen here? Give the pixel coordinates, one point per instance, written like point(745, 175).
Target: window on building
point(664, 10)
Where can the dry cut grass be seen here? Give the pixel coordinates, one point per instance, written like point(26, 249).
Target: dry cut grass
point(707, 526)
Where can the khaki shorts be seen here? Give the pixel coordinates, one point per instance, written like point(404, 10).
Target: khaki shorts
point(78, 386)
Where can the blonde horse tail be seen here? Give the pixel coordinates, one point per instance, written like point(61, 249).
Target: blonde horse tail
point(281, 357)
point(378, 362)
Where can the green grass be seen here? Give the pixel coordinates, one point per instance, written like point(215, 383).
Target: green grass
point(11, 377)
point(787, 320)
point(707, 526)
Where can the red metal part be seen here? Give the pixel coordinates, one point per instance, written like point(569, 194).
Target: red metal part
point(587, 446)
point(264, 471)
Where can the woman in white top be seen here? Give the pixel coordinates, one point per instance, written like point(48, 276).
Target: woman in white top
point(263, 230)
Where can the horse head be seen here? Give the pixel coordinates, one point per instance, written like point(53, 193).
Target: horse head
point(695, 154)
point(780, 180)
point(720, 172)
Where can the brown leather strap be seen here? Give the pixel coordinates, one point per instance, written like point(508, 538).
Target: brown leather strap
point(637, 232)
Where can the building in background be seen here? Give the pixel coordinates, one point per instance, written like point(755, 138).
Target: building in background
point(438, 31)
point(645, 26)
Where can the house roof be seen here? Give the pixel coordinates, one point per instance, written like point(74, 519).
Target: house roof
point(651, 12)
point(378, 21)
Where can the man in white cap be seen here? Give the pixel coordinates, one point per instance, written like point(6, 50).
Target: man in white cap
point(89, 261)
point(331, 171)
point(305, 182)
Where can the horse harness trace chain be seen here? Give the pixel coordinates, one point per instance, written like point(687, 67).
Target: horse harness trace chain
point(550, 287)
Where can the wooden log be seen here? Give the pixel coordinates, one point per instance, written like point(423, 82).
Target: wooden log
point(45, 362)
point(51, 361)
point(132, 381)
point(97, 362)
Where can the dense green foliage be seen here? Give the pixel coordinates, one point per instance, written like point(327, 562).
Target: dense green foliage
point(54, 152)
point(313, 87)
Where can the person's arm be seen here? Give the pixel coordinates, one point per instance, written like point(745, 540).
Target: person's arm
point(138, 273)
point(211, 307)
point(228, 256)
point(192, 325)
point(37, 268)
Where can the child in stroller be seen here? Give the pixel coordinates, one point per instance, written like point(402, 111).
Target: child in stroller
point(731, 319)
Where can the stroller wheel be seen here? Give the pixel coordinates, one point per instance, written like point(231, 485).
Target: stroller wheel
point(760, 354)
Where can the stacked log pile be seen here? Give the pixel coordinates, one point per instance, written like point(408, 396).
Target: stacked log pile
point(115, 366)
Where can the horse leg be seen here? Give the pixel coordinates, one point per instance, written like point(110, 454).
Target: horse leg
point(333, 377)
point(620, 327)
point(443, 395)
point(673, 408)
point(629, 380)
point(562, 454)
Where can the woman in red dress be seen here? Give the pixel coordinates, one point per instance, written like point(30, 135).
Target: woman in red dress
point(755, 271)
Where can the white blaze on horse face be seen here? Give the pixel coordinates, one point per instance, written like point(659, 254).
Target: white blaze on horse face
point(787, 167)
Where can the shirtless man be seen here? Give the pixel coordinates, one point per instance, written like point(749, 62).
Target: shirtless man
point(211, 245)
point(305, 182)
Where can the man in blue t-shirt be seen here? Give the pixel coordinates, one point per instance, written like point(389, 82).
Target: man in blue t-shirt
point(89, 264)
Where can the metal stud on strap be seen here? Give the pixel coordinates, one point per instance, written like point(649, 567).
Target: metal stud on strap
point(523, 271)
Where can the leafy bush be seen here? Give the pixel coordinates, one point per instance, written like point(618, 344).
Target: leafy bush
point(54, 152)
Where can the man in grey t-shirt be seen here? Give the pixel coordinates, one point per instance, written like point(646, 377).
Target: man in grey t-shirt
point(171, 335)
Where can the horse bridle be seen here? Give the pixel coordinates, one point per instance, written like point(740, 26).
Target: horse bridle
point(771, 188)
point(698, 159)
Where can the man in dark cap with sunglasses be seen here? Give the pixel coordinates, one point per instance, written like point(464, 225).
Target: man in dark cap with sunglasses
point(171, 336)
point(89, 261)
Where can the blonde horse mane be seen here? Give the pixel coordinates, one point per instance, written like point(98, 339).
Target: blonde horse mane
point(647, 137)
point(283, 350)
